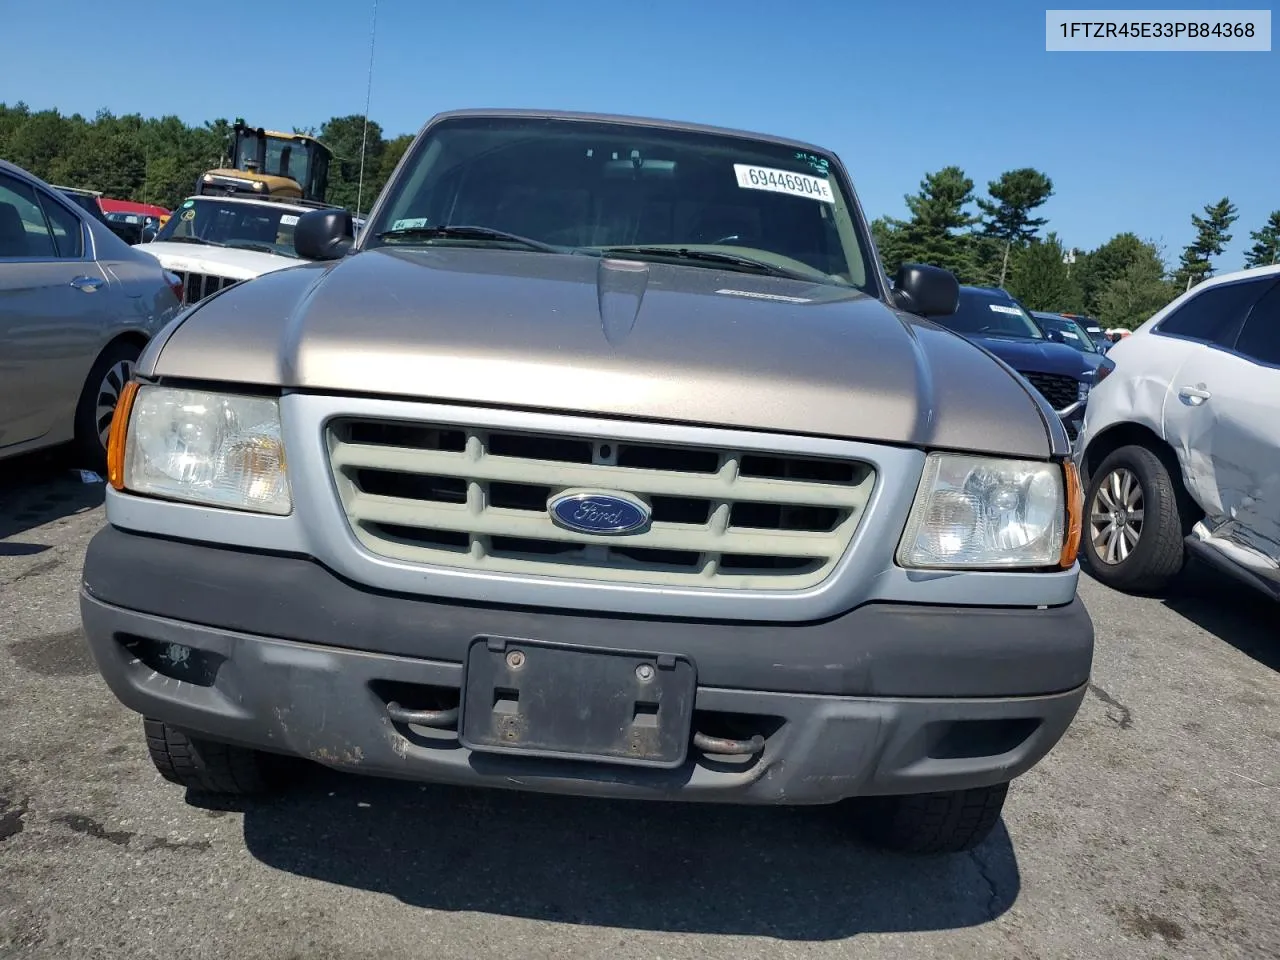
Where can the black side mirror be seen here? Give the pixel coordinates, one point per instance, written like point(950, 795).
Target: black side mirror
point(927, 291)
point(323, 235)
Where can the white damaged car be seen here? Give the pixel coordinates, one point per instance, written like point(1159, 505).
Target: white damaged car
point(212, 242)
point(1180, 450)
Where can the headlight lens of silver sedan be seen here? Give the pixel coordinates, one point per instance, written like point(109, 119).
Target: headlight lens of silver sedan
point(981, 512)
point(223, 450)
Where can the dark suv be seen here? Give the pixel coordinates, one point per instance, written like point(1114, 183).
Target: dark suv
point(994, 320)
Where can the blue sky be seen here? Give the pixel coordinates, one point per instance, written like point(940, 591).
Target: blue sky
point(1132, 141)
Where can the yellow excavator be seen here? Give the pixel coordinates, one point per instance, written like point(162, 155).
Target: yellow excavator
point(267, 163)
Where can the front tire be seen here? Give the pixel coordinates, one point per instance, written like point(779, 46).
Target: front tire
point(1134, 522)
point(205, 766)
point(98, 401)
point(932, 823)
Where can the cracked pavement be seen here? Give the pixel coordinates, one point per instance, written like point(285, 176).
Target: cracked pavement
point(1150, 832)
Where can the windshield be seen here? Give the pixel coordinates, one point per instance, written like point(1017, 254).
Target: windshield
point(589, 187)
point(251, 226)
point(991, 315)
point(285, 157)
point(1072, 333)
point(1090, 326)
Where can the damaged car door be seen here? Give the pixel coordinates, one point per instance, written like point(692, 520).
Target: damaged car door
point(1220, 414)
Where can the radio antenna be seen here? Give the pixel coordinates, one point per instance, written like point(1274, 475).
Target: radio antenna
point(368, 95)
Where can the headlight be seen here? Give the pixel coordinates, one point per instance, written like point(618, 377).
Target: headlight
point(218, 449)
point(975, 511)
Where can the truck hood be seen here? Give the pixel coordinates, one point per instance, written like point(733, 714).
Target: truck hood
point(612, 338)
point(1038, 356)
point(219, 261)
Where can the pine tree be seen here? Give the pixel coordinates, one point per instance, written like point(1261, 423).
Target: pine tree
point(1007, 216)
point(1211, 239)
point(937, 214)
point(1266, 243)
point(886, 236)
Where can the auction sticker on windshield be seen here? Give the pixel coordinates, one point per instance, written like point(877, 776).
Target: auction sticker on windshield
point(783, 181)
point(1001, 308)
point(288, 220)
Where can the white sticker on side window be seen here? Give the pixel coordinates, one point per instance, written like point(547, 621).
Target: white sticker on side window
point(288, 220)
point(783, 181)
point(1001, 308)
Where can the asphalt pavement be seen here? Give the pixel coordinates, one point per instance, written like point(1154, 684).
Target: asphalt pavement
point(1152, 831)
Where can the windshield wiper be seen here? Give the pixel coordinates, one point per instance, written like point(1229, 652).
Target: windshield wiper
point(455, 231)
point(211, 243)
point(258, 247)
point(713, 257)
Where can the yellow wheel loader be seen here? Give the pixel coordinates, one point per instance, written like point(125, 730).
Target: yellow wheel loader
point(267, 163)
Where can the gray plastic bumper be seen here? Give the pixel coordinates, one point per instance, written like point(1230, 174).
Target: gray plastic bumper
point(277, 653)
point(321, 703)
point(876, 649)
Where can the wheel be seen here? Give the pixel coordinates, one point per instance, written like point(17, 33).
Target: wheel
point(932, 822)
point(1134, 527)
point(205, 766)
point(97, 405)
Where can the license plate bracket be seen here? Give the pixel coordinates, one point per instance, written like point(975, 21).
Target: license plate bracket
point(543, 699)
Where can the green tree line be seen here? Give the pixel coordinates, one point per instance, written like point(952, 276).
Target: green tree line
point(158, 160)
point(1002, 243)
point(997, 239)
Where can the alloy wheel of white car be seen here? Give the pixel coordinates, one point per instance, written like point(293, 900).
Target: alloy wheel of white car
point(1116, 516)
point(1138, 517)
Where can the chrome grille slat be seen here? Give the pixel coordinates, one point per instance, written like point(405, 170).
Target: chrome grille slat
point(528, 524)
point(552, 473)
point(197, 286)
point(435, 494)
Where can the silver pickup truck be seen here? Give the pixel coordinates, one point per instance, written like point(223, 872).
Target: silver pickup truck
point(607, 461)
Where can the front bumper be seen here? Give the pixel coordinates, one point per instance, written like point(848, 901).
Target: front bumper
point(282, 655)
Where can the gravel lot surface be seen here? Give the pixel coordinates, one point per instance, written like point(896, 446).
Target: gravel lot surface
point(1151, 831)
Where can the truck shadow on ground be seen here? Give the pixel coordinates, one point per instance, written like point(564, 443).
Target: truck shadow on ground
point(1223, 606)
point(37, 489)
point(1230, 610)
point(789, 873)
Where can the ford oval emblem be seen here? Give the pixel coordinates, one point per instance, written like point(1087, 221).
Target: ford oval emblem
point(589, 511)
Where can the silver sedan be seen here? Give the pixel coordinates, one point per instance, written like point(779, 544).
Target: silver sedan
point(77, 306)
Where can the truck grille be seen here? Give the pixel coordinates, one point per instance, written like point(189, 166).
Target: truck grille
point(1060, 390)
point(197, 286)
point(477, 499)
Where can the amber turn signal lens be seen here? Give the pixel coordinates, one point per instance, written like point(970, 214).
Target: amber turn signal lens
point(1075, 515)
point(119, 429)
